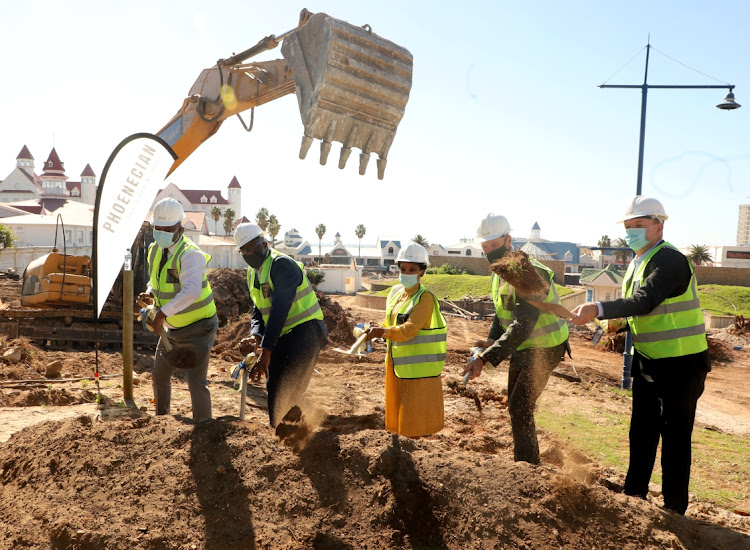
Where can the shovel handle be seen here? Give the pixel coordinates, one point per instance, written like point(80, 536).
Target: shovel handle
point(466, 378)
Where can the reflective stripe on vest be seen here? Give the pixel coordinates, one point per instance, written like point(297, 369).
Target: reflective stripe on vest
point(202, 308)
point(305, 306)
point(549, 331)
point(424, 355)
point(675, 327)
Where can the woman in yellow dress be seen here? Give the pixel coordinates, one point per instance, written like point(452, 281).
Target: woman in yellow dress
point(416, 333)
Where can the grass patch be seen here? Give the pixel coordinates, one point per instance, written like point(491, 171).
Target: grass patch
point(721, 462)
point(718, 299)
point(455, 287)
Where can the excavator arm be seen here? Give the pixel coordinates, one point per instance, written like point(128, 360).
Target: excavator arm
point(352, 87)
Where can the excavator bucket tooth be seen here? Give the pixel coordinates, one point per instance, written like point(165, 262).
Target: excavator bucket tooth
point(352, 85)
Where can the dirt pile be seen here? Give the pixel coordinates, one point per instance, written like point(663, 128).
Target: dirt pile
point(231, 295)
point(337, 321)
point(516, 268)
point(335, 317)
point(162, 482)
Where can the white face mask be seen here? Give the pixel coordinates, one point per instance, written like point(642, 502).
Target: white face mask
point(164, 239)
point(408, 280)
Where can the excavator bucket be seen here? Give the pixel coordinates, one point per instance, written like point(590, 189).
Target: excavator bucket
point(352, 87)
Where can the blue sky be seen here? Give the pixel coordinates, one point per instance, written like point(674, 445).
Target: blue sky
point(504, 115)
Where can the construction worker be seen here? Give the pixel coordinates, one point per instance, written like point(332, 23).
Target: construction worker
point(416, 333)
point(287, 328)
point(671, 360)
point(185, 306)
point(536, 342)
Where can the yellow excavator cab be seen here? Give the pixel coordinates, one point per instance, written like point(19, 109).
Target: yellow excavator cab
point(57, 280)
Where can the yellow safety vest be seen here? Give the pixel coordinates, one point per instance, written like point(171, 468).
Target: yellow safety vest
point(549, 331)
point(675, 327)
point(203, 308)
point(424, 355)
point(305, 306)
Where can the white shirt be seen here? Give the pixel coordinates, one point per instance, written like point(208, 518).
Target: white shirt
point(192, 271)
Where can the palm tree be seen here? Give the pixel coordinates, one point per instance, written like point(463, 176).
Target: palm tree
point(320, 231)
point(216, 215)
point(419, 239)
point(604, 241)
point(228, 220)
point(273, 228)
point(261, 218)
point(622, 255)
point(698, 255)
point(360, 232)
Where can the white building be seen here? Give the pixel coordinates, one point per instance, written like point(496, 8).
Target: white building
point(205, 200)
point(23, 183)
point(382, 254)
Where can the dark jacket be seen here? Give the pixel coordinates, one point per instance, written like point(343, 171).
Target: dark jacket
point(667, 275)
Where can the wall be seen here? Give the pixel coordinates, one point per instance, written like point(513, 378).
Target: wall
point(341, 281)
point(19, 258)
point(717, 321)
point(736, 276)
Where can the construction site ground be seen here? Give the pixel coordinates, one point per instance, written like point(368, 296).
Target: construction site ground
point(74, 474)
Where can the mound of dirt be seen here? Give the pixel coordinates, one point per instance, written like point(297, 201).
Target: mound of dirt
point(516, 268)
point(231, 295)
point(335, 318)
point(163, 482)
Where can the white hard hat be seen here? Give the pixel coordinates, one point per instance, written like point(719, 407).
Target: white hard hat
point(640, 207)
point(493, 227)
point(414, 253)
point(245, 233)
point(167, 212)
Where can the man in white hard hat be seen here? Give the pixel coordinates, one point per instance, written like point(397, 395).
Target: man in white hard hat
point(287, 327)
point(671, 360)
point(535, 341)
point(180, 290)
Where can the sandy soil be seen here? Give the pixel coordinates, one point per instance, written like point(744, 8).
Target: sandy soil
point(73, 475)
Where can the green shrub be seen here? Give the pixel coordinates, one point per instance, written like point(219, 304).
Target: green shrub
point(446, 269)
point(315, 276)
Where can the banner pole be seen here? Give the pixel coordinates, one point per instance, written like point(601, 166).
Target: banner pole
point(127, 328)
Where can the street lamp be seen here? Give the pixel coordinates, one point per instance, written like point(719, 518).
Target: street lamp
point(729, 104)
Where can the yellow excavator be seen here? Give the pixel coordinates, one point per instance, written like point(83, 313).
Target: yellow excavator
point(351, 84)
point(352, 87)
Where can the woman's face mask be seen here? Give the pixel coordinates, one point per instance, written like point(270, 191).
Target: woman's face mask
point(408, 279)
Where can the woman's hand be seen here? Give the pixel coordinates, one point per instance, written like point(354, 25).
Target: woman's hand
point(248, 345)
point(375, 332)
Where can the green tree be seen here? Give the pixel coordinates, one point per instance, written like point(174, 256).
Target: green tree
point(360, 232)
point(315, 277)
point(320, 231)
point(7, 237)
point(216, 215)
point(604, 241)
point(273, 228)
point(698, 255)
point(419, 239)
point(228, 221)
point(261, 218)
point(622, 255)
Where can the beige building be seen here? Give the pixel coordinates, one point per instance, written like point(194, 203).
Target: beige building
point(23, 183)
point(743, 226)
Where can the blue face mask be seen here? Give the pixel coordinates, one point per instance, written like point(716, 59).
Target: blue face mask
point(636, 238)
point(408, 280)
point(163, 239)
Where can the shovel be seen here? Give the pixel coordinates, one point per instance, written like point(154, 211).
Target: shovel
point(148, 312)
point(554, 309)
point(354, 350)
point(244, 367)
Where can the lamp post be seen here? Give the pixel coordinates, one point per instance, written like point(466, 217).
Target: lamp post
point(728, 104)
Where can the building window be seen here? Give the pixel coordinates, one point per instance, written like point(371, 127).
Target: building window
point(204, 199)
point(468, 252)
point(80, 237)
point(69, 236)
point(390, 250)
point(213, 200)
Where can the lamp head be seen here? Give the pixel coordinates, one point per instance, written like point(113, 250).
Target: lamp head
point(729, 103)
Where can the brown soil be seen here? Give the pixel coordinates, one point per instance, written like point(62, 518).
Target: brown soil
point(119, 477)
point(516, 268)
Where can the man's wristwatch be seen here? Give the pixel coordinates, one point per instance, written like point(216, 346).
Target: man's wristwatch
point(484, 359)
